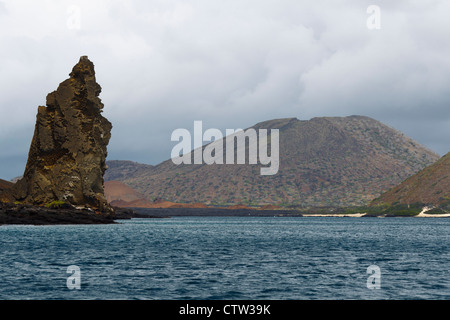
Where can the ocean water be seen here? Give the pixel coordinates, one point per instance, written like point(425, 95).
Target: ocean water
point(276, 258)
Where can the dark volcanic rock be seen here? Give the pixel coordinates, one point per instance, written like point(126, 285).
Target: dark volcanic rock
point(213, 212)
point(20, 214)
point(35, 215)
point(66, 161)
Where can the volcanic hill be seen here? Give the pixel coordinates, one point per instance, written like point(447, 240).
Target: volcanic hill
point(429, 186)
point(326, 161)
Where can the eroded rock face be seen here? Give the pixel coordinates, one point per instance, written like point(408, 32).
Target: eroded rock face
point(66, 161)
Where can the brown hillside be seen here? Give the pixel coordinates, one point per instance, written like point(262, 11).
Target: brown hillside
point(118, 191)
point(188, 205)
point(429, 186)
point(323, 161)
point(120, 170)
point(238, 206)
point(270, 207)
point(120, 195)
point(5, 185)
point(139, 203)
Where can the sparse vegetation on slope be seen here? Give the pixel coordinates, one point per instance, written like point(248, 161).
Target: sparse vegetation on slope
point(430, 186)
point(323, 162)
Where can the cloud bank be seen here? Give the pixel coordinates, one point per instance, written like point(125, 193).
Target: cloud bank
point(231, 64)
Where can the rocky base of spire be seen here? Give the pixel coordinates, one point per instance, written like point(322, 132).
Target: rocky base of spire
point(19, 214)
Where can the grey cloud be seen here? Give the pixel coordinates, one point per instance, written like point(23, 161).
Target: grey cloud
point(163, 65)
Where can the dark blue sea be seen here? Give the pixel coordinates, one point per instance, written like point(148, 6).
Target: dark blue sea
point(229, 258)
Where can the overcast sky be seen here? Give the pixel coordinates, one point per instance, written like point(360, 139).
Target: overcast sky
point(229, 63)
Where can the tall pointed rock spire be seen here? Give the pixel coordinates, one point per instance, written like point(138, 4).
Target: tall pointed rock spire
point(66, 161)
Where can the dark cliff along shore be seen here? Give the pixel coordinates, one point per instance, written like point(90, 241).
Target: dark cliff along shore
point(16, 214)
point(214, 212)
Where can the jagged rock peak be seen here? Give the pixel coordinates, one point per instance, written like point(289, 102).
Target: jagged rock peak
point(66, 161)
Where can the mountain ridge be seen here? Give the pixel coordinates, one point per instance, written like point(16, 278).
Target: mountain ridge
point(338, 161)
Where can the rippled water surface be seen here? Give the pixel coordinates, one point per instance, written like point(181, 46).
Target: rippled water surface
point(229, 258)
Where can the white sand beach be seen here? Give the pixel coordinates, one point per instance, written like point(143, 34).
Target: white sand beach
point(356, 215)
point(423, 214)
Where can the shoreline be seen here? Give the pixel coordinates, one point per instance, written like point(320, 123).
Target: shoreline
point(341, 215)
point(424, 214)
point(221, 212)
point(32, 215)
point(438, 215)
point(215, 212)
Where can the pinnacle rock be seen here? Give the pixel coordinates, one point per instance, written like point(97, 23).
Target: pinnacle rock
point(66, 161)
